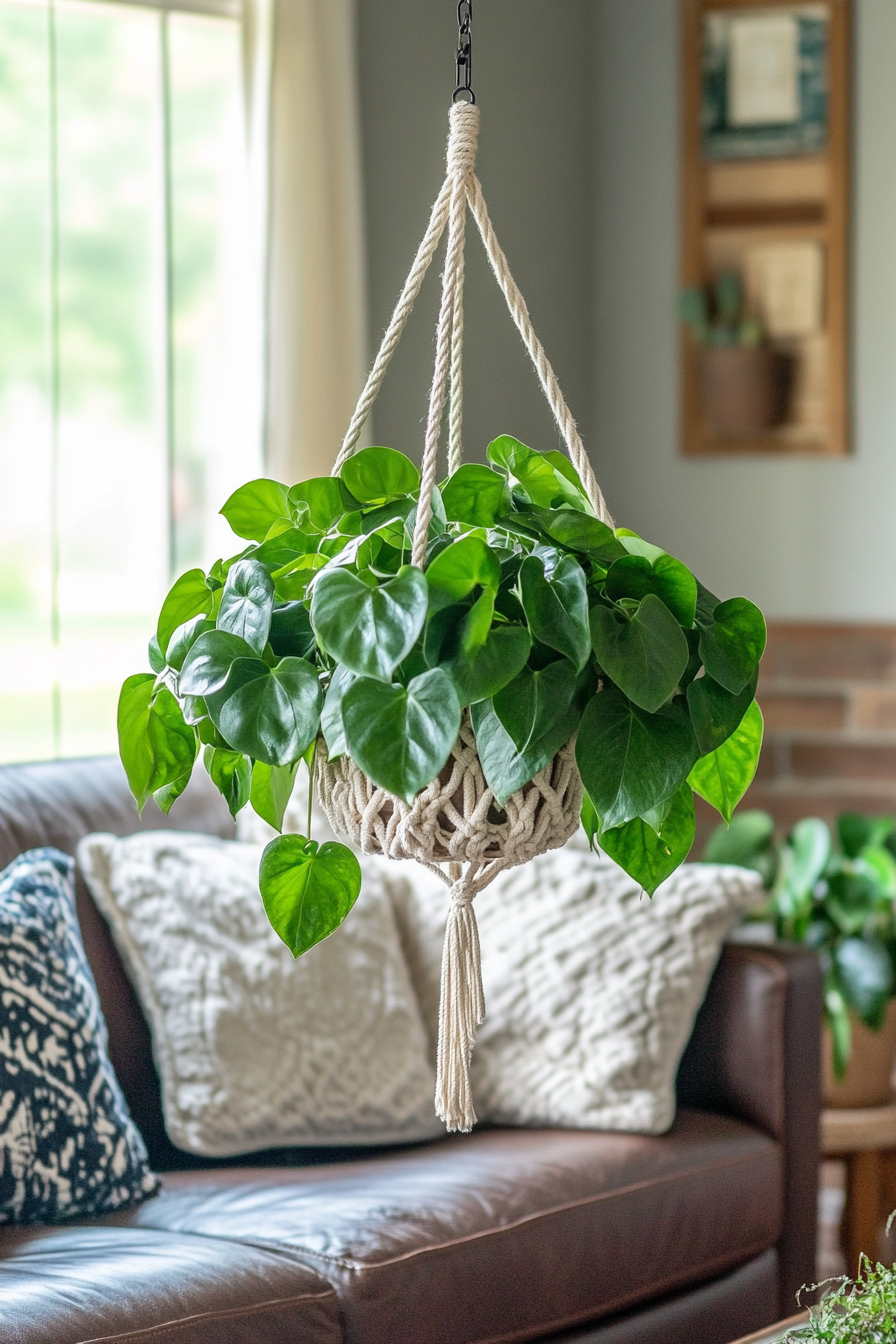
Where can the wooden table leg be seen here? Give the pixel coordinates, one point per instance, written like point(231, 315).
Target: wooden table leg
point(862, 1211)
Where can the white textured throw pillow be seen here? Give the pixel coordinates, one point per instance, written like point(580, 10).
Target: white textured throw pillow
point(591, 989)
point(256, 1050)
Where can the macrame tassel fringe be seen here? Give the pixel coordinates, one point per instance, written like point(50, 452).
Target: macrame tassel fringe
point(461, 1009)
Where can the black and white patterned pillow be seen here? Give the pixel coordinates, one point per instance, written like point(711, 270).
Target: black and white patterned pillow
point(68, 1147)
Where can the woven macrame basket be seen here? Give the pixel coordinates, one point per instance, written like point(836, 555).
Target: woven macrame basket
point(456, 820)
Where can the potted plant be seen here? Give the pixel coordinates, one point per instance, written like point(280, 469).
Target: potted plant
point(838, 896)
point(531, 622)
point(744, 383)
point(854, 1311)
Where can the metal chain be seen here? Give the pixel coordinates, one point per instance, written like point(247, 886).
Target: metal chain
point(464, 90)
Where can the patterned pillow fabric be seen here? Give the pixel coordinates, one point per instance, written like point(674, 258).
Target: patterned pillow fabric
point(68, 1147)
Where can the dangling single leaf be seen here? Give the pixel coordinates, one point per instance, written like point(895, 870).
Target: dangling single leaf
point(270, 714)
point(369, 630)
point(401, 737)
point(556, 605)
point(645, 656)
point(531, 704)
point(188, 597)
point(247, 603)
point(270, 790)
point(256, 507)
point(307, 889)
point(157, 748)
point(650, 857)
point(231, 775)
point(724, 776)
point(733, 643)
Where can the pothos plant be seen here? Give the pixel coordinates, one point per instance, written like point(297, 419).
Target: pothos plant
point(529, 613)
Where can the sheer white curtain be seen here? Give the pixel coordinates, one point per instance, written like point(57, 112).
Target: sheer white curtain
point(303, 117)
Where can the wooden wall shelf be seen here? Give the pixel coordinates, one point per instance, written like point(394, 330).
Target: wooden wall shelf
point(729, 206)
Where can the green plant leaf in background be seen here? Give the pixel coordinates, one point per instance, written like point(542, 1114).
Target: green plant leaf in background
point(231, 774)
point(733, 643)
point(270, 790)
point(555, 601)
point(207, 665)
point(864, 970)
point(646, 655)
point(307, 889)
point(272, 714)
point(749, 835)
point(464, 565)
point(473, 495)
point(650, 857)
point(376, 475)
point(530, 705)
point(631, 761)
point(256, 507)
point(157, 748)
point(331, 724)
point(715, 712)
point(188, 597)
point(634, 576)
point(401, 737)
point(857, 832)
point(369, 630)
point(247, 603)
point(724, 776)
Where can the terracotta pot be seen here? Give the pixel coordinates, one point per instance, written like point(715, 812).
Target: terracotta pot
point(869, 1073)
point(745, 389)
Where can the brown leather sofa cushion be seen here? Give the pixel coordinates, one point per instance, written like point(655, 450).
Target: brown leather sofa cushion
point(77, 1284)
point(504, 1235)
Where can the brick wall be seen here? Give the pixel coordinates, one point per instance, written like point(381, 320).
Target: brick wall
point(828, 695)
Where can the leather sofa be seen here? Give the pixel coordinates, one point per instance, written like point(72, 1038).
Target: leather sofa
point(695, 1237)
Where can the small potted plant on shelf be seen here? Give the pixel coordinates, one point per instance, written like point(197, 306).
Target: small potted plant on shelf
point(839, 896)
point(744, 383)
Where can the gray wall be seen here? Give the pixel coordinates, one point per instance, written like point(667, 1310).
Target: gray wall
point(806, 540)
point(533, 71)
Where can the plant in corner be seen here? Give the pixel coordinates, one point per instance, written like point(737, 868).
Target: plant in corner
point(837, 897)
point(529, 615)
point(854, 1311)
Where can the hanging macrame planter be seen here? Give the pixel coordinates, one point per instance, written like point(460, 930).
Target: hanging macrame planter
point(616, 686)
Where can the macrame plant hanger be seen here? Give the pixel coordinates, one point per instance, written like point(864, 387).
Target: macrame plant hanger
point(449, 822)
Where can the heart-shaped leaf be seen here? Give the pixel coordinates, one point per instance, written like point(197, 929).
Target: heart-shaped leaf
point(464, 565)
point(256, 507)
point(480, 675)
point(723, 777)
point(556, 604)
point(377, 474)
point(634, 576)
point(307, 889)
point(157, 748)
point(320, 502)
point(247, 603)
point(531, 704)
point(188, 597)
point(473, 495)
point(715, 712)
point(291, 635)
point(401, 737)
point(369, 630)
point(733, 643)
point(231, 775)
point(650, 857)
point(331, 724)
point(183, 639)
point(207, 665)
point(507, 769)
point(270, 790)
point(270, 714)
point(631, 761)
point(580, 532)
point(645, 656)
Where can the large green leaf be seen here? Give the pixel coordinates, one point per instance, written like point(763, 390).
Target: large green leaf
point(270, 790)
point(369, 630)
point(724, 776)
point(531, 704)
point(331, 724)
point(555, 600)
point(473, 495)
point(274, 714)
point(505, 768)
point(283, 548)
point(631, 761)
point(732, 644)
point(291, 635)
point(256, 507)
point(464, 565)
point(715, 712)
point(646, 655)
point(634, 576)
point(580, 532)
point(183, 639)
point(307, 889)
point(247, 603)
point(157, 748)
point(207, 665)
point(377, 474)
point(858, 832)
point(650, 857)
point(188, 597)
point(547, 478)
point(401, 737)
point(480, 675)
point(231, 774)
point(636, 545)
point(865, 973)
point(321, 502)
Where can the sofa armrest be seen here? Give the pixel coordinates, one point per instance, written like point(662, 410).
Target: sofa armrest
point(755, 1054)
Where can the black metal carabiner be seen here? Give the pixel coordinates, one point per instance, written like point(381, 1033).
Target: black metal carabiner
point(464, 89)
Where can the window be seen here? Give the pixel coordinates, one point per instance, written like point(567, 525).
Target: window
point(125, 419)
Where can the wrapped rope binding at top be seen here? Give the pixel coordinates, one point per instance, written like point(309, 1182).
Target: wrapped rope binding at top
point(456, 820)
